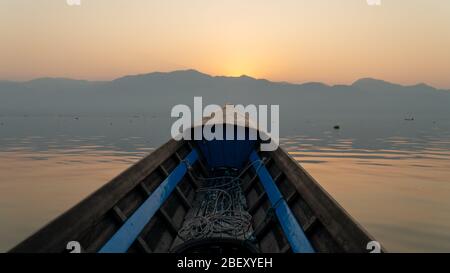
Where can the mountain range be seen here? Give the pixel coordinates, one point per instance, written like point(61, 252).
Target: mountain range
point(158, 92)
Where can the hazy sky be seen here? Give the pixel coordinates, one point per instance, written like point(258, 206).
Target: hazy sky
point(333, 41)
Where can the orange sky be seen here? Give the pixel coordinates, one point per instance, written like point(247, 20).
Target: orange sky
point(332, 41)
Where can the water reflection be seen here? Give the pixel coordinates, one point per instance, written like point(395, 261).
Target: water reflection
point(393, 177)
point(399, 192)
point(35, 186)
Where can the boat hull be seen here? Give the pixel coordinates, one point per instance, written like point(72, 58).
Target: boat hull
point(312, 221)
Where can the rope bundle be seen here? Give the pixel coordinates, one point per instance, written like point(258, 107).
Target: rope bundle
point(221, 211)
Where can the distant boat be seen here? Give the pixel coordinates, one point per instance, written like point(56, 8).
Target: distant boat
point(218, 196)
point(409, 117)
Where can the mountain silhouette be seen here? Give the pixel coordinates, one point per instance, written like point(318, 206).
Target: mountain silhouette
point(157, 92)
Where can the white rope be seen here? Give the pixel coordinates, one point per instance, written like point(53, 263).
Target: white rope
point(222, 209)
point(221, 212)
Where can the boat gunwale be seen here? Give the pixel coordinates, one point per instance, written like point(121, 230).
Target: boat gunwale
point(343, 227)
point(72, 223)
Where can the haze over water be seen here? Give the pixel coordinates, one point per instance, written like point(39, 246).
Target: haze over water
point(392, 176)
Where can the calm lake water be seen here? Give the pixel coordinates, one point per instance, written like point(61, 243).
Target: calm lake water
point(392, 176)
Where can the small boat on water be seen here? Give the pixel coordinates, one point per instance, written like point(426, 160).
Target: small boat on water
point(206, 196)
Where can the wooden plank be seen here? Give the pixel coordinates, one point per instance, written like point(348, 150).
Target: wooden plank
point(311, 224)
point(200, 162)
point(72, 224)
point(162, 212)
point(277, 178)
point(257, 203)
point(264, 195)
point(130, 230)
point(349, 235)
point(289, 224)
point(140, 241)
point(192, 180)
point(263, 228)
point(252, 181)
point(168, 220)
point(177, 189)
point(183, 198)
point(163, 169)
point(291, 198)
point(145, 188)
point(249, 184)
point(285, 249)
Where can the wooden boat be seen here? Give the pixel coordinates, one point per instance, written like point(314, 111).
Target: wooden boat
point(218, 196)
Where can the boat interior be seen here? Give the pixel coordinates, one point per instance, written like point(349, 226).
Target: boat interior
point(200, 196)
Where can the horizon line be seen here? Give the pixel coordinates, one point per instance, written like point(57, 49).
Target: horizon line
point(224, 76)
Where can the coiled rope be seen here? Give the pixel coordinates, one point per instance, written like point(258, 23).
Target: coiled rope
point(221, 210)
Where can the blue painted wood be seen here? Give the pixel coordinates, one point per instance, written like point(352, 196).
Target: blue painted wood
point(226, 153)
point(291, 228)
point(232, 153)
point(130, 230)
